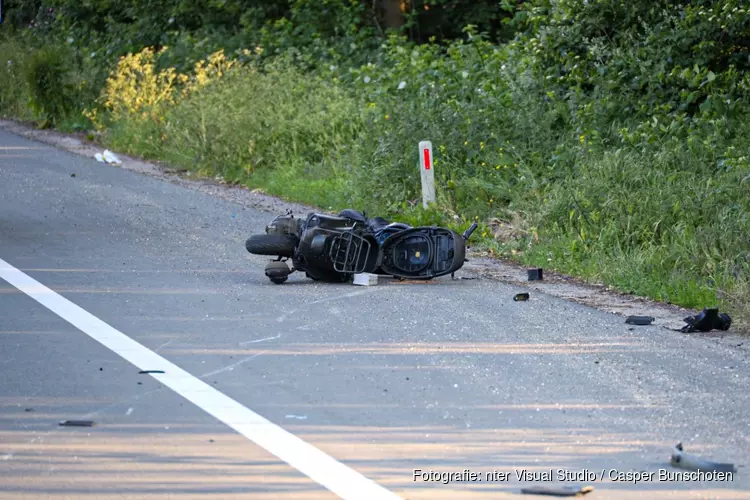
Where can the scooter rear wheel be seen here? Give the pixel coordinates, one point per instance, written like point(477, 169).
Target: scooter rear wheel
point(271, 244)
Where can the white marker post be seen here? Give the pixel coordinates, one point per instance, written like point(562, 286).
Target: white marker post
point(428, 173)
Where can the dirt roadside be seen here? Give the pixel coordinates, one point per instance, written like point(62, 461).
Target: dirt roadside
point(480, 265)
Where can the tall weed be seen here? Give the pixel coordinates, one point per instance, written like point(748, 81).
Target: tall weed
point(14, 91)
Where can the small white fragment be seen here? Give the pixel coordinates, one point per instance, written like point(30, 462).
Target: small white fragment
point(402, 85)
point(298, 417)
point(110, 158)
point(99, 158)
point(130, 410)
point(365, 279)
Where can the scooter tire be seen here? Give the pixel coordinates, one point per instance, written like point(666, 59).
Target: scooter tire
point(271, 244)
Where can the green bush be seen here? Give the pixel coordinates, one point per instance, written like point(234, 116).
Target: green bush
point(14, 94)
point(49, 84)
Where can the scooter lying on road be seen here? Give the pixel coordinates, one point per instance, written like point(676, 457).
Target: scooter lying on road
point(334, 248)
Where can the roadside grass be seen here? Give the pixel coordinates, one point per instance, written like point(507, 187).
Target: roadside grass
point(14, 94)
point(49, 85)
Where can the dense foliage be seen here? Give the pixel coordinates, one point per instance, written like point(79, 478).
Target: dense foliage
point(599, 137)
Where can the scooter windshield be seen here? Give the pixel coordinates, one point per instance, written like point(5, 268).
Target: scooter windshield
point(413, 253)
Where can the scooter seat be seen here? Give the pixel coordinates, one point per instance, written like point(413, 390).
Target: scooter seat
point(352, 214)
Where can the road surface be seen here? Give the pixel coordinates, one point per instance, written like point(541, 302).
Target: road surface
point(307, 390)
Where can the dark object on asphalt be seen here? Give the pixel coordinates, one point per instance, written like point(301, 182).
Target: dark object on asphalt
point(682, 460)
point(72, 175)
point(639, 320)
point(151, 371)
point(335, 248)
point(535, 274)
point(29, 409)
point(558, 491)
point(709, 319)
point(77, 423)
point(519, 297)
point(277, 271)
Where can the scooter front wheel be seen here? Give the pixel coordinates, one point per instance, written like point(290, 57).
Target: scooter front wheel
point(281, 245)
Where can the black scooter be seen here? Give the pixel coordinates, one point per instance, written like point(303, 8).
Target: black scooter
point(334, 248)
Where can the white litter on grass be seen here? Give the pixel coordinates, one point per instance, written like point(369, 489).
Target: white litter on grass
point(108, 157)
point(298, 417)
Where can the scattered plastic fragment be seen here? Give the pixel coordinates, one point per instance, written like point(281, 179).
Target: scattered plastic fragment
point(709, 319)
point(110, 158)
point(77, 423)
point(639, 320)
point(682, 460)
point(151, 371)
point(521, 297)
point(72, 175)
point(365, 279)
point(536, 274)
point(298, 417)
point(558, 491)
point(107, 157)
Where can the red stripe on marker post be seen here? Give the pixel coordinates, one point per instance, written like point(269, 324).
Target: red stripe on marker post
point(427, 173)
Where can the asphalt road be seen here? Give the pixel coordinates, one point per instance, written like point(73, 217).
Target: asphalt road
point(446, 376)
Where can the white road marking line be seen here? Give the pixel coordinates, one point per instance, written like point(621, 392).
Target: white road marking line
point(317, 465)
